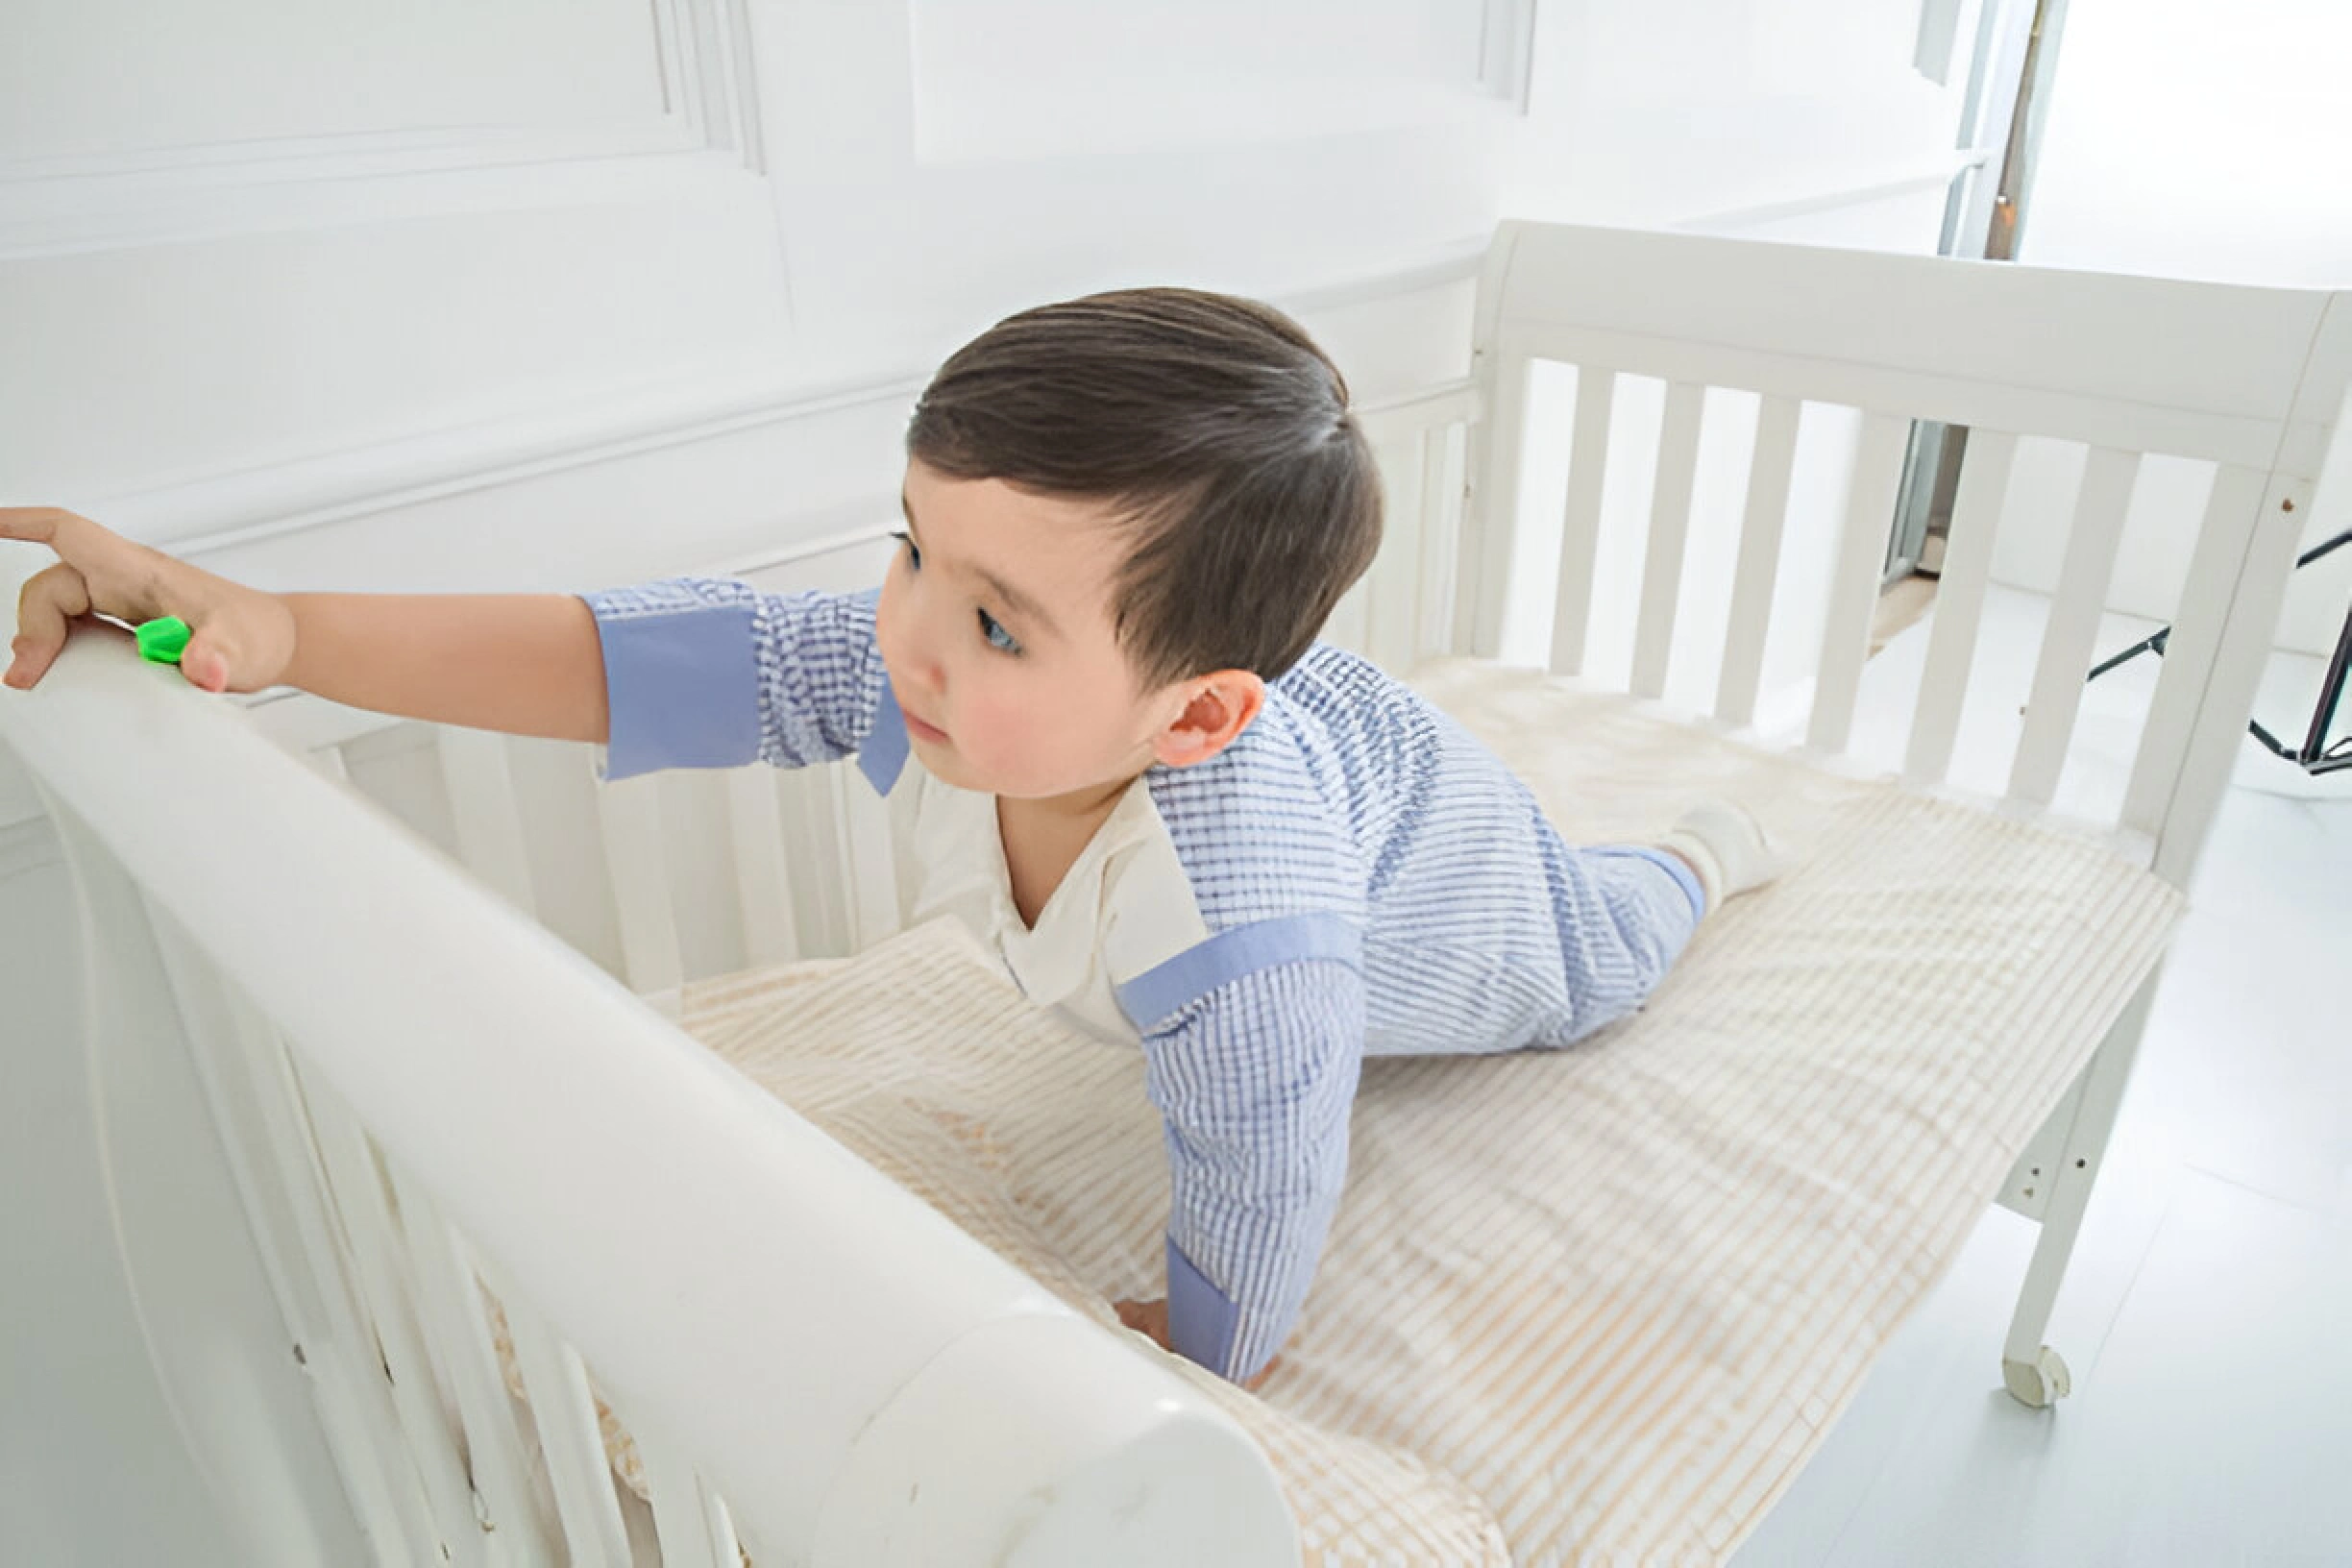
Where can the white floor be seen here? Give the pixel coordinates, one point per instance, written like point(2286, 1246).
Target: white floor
point(2207, 1316)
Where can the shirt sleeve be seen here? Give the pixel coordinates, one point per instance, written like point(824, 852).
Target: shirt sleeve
point(1255, 1080)
point(709, 673)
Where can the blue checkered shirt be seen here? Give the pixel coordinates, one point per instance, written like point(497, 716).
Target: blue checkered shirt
point(1372, 880)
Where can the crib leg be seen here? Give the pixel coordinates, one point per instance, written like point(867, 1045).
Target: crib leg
point(2032, 1371)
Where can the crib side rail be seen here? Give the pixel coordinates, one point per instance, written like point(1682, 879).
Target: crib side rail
point(737, 1284)
point(2132, 373)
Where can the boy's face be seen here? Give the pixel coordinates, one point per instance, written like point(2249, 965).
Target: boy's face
point(996, 627)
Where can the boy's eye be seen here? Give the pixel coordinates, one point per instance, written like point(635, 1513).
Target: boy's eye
point(990, 629)
point(997, 637)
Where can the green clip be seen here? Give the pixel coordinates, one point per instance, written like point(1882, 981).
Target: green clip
point(163, 642)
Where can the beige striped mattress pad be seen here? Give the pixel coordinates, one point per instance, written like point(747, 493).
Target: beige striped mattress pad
point(1595, 1306)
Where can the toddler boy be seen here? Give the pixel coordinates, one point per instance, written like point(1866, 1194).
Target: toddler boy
point(1090, 691)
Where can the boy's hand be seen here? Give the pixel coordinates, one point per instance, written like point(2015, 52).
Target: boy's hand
point(1149, 1318)
point(242, 640)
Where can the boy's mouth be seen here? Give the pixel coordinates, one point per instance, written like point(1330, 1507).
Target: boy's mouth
point(921, 731)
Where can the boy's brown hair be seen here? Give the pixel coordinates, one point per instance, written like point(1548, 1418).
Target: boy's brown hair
point(1219, 432)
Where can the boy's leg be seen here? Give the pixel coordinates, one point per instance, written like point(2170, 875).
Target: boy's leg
point(1626, 912)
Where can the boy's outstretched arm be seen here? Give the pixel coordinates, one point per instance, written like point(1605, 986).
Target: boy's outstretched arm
point(528, 663)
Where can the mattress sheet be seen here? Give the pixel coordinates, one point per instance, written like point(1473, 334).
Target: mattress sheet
point(1592, 1306)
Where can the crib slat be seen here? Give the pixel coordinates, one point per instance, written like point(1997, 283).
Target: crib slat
point(726, 1548)
point(1959, 603)
point(242, 1069)
point(681, 1519)
point(459, 1336)
point(763, 877)
point(1442, 451)
point(2067, 639)
point(630, 815)
point(1393, 627)
point(481, 795)
point(1758, 569)
point(295, 1134)
point(1498, 442)
point(382, 1269)
point(564, 1411)
point(2213, 568)
point(1870, 517)
point(1580, 529)
point(864, 822)
point(1670, 507)
point(819, 897)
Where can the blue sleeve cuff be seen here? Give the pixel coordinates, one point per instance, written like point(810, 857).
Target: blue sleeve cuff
point(882, 756)
point(681, 688)
point(1201, 1320)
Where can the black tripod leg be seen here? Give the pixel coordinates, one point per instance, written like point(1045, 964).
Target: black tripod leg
point(2331, 692)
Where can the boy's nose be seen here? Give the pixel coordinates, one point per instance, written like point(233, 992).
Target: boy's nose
point(919, 681)
point(915, 670)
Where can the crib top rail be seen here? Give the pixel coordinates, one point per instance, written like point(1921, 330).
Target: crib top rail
point(2201, 370)
point(2249, 382)
point(801, 1327)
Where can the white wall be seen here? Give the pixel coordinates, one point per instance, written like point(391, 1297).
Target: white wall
point(1669, 111)
point(212, 335)
point(2193, 142)
point(1799, 122)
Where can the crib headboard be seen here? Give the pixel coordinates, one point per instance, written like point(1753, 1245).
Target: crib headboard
point(2248, 380)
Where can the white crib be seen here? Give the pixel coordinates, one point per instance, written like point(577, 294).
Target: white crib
point(427, 1078)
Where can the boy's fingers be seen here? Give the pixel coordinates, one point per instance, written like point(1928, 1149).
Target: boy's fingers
point(37, 524)
point(205, 663)
point(44, 613)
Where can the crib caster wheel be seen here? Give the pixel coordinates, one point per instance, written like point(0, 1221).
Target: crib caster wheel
point(2040, 1383)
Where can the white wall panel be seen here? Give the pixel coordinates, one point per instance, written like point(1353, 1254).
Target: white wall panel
point(1660, 113)
point(239, 237)
point(320, 330)
point(1060, 76)
point(83, 77)
point(897, 257)
point(159, 366)
point(717, 492)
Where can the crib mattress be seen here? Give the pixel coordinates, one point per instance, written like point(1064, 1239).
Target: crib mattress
point(1596, 1305)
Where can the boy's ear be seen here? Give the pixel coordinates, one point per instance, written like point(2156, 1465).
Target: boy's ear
point(1217, 708)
